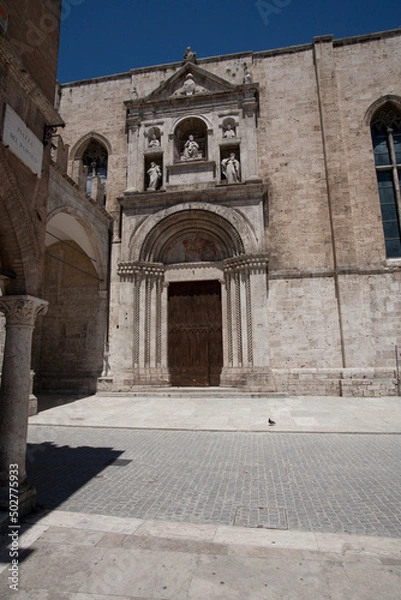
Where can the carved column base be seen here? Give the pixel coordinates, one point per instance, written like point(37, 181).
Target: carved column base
point(104, 384)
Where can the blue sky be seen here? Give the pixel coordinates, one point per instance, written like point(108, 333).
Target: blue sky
point(102, 38)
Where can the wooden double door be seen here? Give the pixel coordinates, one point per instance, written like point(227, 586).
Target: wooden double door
point(195, 347)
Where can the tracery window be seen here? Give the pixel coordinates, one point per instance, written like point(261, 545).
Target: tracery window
point(386, 138)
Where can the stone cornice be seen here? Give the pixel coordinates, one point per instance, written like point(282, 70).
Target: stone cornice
point(139, 109)
point(367, 37)
point(241, 193)
point(340, 271)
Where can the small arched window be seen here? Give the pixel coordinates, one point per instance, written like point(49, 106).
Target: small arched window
point(386, 138)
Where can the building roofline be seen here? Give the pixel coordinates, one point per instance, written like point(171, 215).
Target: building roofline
point(358, 39)
point(367, 37)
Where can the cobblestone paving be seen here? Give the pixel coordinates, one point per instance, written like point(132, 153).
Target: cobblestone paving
point(313, 482)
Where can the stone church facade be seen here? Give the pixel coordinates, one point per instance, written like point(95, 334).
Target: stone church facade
point(256, 210)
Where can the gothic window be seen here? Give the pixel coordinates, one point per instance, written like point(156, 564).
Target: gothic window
point(386, 137)
point(94, 160)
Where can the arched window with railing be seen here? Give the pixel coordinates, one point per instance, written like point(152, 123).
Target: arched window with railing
point(386, 138)
point(89, 158)
point(94, 160)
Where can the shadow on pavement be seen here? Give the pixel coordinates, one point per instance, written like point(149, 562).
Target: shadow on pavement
point(47, 401)
point(57, 472)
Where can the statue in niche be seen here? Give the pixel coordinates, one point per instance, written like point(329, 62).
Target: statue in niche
point(155, 175)
point(191, 148)
point(229, 132)
point(154, 142)
point(247, 75)
point(231, 169)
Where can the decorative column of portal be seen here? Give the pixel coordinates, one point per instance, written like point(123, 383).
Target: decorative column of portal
point(21, 313)
point(239, 312)
point(153, 287)
point(246, 314)
point(148, 305)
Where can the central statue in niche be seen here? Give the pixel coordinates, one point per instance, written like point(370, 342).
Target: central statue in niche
point(191, 148)
point(190, 140)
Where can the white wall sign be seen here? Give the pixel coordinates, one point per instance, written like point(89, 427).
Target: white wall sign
point(22, 141)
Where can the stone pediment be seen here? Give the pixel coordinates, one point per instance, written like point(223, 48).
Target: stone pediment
point(190, 81)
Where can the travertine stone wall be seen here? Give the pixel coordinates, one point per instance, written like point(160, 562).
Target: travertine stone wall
point(303, 323)
point(371, 308)
point(292, 164)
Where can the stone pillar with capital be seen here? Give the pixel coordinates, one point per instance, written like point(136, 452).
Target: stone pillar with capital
point(133, 166)
point(21, 313)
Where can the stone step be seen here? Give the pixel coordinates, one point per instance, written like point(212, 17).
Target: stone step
point(192, 392)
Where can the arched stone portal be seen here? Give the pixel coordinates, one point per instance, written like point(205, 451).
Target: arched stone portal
point(186, 264)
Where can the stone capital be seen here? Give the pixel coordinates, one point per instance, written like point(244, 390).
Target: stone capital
point(22, 310)
point(129, 269)
point(252, 263)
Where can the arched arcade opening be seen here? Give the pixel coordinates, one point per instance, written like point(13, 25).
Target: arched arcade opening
point(69, 340)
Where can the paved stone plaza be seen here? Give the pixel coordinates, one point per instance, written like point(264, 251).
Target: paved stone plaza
point(187, 498)
point(337, 483)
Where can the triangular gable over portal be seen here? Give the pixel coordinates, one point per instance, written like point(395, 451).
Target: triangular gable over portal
point(190, 80)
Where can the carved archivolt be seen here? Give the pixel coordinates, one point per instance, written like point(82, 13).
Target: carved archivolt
point(224, 226)
point(201, 237)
